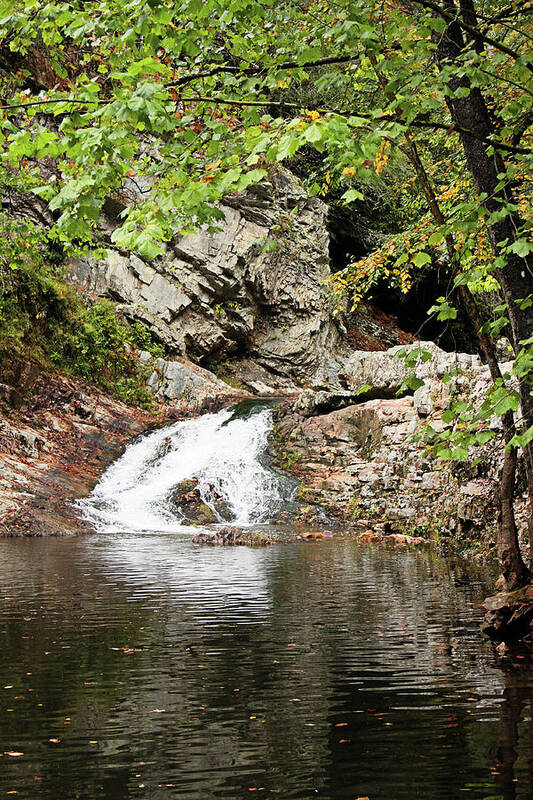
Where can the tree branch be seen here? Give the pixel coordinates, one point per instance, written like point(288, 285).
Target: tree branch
point(424, 124)
point(474, 32)
point(416, 123)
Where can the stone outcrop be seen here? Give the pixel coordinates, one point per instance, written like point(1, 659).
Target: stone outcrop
point(181, 383)
point(386, 371)
point(253, 289)
point(366, 458)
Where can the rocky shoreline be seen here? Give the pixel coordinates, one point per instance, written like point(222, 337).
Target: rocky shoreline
point(362, 473)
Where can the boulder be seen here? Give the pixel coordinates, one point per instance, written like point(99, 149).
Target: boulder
point(235, 536)
point(509, 616)
point(184, 384)
point(189, 503)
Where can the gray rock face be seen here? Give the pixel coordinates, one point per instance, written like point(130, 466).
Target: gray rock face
point(386, 371)
point(184, 384)
point(222, 294)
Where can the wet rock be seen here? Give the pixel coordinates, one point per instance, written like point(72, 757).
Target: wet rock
point(370, 537)
point(313, 536)
point(395, 539)
point(235, 537)
point(509, 616)
point(188, 502)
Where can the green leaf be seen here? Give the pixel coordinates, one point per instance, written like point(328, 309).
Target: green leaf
point(351, 195)
point(521, 247)
point(522, 439)
point(313, 134)
point(421, 258)
point(435, 239)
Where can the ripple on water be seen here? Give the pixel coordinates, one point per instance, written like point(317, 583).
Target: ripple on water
point(142, 667)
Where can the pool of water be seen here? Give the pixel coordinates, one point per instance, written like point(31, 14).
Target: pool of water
point(141, 666)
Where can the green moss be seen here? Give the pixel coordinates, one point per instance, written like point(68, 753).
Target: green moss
point(45, 320)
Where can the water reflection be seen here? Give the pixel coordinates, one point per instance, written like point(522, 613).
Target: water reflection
point(142, 667)
point(515, 737)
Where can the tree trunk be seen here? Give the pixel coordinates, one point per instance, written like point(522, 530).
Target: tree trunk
point(514, 571)
point(516, 279)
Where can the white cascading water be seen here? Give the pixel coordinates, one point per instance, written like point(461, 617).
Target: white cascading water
point(221, 451)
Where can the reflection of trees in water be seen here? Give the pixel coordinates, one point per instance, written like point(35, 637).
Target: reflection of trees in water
point(302, 638)
point(515, 739)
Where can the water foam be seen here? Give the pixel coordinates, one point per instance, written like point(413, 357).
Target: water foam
point(222, 451)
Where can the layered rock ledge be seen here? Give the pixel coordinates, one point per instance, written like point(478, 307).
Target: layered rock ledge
point(365, 459)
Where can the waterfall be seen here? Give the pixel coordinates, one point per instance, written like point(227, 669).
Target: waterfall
point(222, 453)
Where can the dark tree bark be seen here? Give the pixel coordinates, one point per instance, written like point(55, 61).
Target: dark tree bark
point(471, 113)
point(514, 571)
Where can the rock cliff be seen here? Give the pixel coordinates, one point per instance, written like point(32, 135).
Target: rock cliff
point(254, 290)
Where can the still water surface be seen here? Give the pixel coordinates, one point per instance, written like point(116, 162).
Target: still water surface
point(141, 666)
